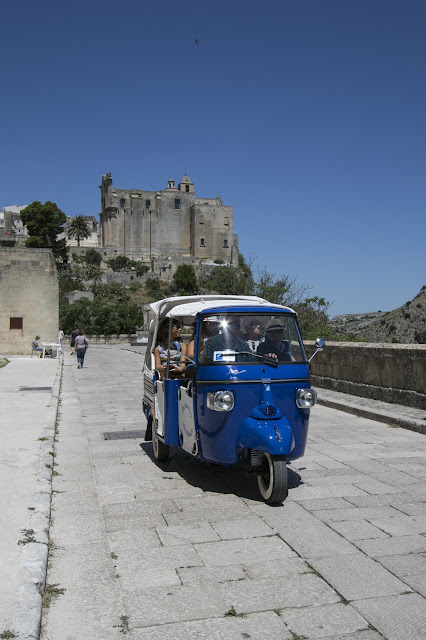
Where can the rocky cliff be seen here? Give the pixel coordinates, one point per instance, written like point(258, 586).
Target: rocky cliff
point(405, 325)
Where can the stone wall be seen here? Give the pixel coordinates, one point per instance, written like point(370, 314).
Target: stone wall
point(28, 290)
point(389, 372)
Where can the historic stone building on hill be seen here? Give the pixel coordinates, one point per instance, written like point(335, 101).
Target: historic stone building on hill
point(171, 224)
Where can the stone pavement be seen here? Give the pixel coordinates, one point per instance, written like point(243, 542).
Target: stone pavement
point(393, 414)
point(29, 390)
point(187, 550)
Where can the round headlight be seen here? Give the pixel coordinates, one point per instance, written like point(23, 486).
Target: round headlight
point(220, 400)
point(305, 398)
point(224, 400)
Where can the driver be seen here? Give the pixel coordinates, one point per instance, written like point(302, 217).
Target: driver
point(229, 338)
point(274, 346)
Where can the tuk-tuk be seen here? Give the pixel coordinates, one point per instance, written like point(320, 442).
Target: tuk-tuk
point(243, 394)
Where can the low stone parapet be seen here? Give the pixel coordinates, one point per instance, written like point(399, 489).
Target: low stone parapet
point(388, 372)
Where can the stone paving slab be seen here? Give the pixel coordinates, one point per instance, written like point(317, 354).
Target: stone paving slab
point(396, 617)
point(239, 551)
point(184, 533)
point(404, 565)
point(297, 590)
point(175, 604)
point(357, 576)
point(256, 626)
point(392, 546)
point(323, 621)
point(240, 528)
point(202, 575)
point(357, 530)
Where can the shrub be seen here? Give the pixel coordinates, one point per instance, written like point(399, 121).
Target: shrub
point(420, 337)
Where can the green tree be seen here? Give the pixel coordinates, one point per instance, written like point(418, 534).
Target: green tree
point(153, 289)
point(185, 279)
point(230, 280)
point(282, 289)
point(44, 223)
point(107, 315)
point(121, 263)
point(141, 268)
point(313, 319)
point(79, 229)
point(113, 291)
point(93, 257)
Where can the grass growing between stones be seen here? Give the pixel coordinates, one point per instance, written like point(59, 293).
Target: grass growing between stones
point(6, 635)
point(28, 536)
point(3, 363)
point(233, 614)
point(124, 625)
point(50, 593)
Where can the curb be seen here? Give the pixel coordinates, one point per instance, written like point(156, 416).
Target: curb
point(380, 416)
point(34, 559)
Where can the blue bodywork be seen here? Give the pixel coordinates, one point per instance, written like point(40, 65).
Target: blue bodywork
point(265, 416)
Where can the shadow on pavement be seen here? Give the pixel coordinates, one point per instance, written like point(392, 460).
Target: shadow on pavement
point(212, 477)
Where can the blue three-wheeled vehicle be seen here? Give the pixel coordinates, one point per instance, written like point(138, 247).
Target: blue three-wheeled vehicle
point(238, 393)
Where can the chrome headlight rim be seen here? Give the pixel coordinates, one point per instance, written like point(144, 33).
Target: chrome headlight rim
point(220, 400)
point(306, 398)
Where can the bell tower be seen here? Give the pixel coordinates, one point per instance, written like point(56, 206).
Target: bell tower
point(185, 185)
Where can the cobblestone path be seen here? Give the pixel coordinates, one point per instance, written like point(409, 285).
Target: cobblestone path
point(181, 549)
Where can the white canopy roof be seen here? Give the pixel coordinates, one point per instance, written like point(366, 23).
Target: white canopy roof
point(192, 305)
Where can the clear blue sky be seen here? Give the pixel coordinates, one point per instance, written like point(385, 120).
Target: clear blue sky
point(308, 116)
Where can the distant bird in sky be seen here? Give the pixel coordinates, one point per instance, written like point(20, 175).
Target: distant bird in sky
point(196, 41)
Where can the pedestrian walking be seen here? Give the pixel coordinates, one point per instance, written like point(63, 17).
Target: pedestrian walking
point(73, 335)
point(60, 340)
point(80, 344)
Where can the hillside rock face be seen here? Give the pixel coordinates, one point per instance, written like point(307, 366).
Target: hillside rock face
point(405, 325)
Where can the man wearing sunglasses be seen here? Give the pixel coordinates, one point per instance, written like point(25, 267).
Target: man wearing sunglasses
point(274, 346)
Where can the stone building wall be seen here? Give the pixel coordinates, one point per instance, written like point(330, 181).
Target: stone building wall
point(388, 372)
point(166, 224)
point(29, 290)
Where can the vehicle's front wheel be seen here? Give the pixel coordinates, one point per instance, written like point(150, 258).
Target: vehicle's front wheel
point(161, 450)
point(273, 479)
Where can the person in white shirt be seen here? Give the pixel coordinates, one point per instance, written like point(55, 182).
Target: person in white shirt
point(60, 339)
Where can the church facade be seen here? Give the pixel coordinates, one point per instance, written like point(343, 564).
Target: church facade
point(171, 224)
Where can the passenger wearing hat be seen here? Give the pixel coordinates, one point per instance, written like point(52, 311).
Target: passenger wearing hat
point(274, 346)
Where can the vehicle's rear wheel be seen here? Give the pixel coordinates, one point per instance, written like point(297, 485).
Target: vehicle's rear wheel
point(272, 479)
point(161, 450)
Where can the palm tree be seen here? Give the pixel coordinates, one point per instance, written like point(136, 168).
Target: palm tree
point(79, 229)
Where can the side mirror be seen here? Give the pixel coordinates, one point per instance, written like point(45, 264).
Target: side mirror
point(319, 343)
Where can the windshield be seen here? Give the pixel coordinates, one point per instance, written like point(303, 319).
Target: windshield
point(245, 337)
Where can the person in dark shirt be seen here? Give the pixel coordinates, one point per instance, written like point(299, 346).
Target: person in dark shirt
point(229, 339)
point(274, 346)
point(253, 333)
point(73, 335)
